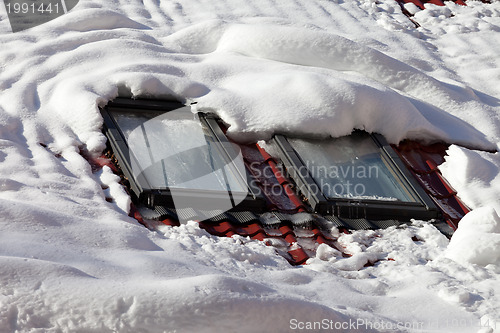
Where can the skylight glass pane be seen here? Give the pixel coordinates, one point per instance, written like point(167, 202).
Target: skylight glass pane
point(350, 167)
point(173, 150)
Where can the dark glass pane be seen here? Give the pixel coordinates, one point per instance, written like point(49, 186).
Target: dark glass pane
point(350, 167)
point(174, 150)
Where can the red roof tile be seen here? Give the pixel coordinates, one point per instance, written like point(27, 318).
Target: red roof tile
point(298, 256)
point(418, 159)
point(436, 2)
point(171, 222)
point(275, 186)
point(424, 162)
point(259, 236)
point(249, 230)
point(421, 3)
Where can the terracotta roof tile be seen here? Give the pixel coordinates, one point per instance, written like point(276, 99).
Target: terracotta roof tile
point(421, 4)
point(420, 161)
point(298, 256)
point(424, 162)
point(249, 230)
point(436, 2)
point(170, 222)
point(259, 236)
point(274, 185)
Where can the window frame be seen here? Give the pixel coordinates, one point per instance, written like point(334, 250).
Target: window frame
point(151, 196)
point(421, 208)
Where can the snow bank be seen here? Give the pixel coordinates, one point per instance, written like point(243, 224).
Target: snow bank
point(463, 37)
point(221, 302)
point(477, 240)
point(475, 175)
point(292, 80)
point(113, 190)
point(260, 77)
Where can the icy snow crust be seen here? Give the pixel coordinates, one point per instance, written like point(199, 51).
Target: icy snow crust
point(71, 261)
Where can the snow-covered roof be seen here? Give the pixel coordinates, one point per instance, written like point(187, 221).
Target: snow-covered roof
point(71, 260)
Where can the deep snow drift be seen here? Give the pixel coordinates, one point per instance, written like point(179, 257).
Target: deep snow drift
point(71, 261)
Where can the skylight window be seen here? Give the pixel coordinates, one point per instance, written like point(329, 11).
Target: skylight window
point(356, 176)
point(174, 157)
point(350, 167)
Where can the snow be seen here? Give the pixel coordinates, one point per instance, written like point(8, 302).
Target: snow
point(73, 261)
point(113, 190)
point(475, 175)
point(478, 239)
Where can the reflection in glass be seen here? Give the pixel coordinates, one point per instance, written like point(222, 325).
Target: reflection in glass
point(173, 150)
point(350, 167)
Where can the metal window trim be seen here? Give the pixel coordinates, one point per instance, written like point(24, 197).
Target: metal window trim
point(211, 122)
point(422, 208)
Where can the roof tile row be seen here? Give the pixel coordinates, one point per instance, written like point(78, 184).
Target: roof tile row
point(423, 161)
point(421, 3)
point(275, 186)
